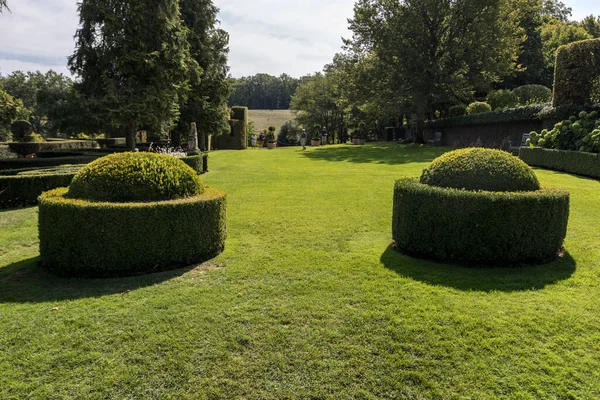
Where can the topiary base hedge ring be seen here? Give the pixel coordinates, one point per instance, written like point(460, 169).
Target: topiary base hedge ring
point(95, 239)
point(497, 228)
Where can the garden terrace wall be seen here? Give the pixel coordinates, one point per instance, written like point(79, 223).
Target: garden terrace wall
point(97, 239)
point(574, 162)
point(494, 129)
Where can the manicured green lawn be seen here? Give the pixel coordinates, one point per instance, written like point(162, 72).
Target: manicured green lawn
point(308, 301)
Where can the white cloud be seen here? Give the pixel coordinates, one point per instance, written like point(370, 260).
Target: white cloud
point(266, 36)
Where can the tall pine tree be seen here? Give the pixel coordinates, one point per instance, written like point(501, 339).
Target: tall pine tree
point(207, 102)
point(134, 63)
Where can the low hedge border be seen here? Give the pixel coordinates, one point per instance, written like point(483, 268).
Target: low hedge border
point(198, 163)
point(23, 188)
point(526, 113)
point(574, 162)
point(479, 227)
point(96, 239)
point(20, 163)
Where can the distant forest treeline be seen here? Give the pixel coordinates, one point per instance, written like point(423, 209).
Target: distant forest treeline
point(264, 92)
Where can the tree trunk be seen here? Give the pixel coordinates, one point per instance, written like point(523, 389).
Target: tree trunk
point(130, 138)
point(420, 103)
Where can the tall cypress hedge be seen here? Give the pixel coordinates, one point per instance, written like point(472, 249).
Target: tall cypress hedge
point(577, 73)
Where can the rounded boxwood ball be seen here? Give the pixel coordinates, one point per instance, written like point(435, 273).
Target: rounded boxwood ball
point(481, 169)
point(132, 177)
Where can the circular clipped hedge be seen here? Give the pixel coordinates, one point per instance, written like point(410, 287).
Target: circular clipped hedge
point(97, 239)
point(480, 169)
point(128, 214)
point(124, 177)
point(480, 217)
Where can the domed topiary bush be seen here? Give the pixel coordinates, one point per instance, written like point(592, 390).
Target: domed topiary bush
point(126, 177)
point(480, 169)
point(128, 214)
point(480, 206)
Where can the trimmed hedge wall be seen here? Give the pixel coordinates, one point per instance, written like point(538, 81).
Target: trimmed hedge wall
point(574, 162)
point(198, 163)
point(577, 73)
point(33, 148)
point(22, 188)
point(481, 227)
point(20, 163)
point(94, 239)
point(526, 113)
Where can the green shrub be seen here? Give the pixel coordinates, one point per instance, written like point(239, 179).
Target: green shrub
point(93, 239)
point(577, 68)
point(19, 188)
point(198, 163)
point(237, 136)
point(457, 110)
point(37, 147)
point(573, 162)
point(532, 94)
point(581, 133)
point(478, 107)
point(480, 169)
point(20, 130)
point(20, 163)
point(518, 114)
point(480, 227)
point(501, 99)
point(126, 177)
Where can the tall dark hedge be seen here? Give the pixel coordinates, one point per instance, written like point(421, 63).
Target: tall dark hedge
point(91, 239)
point(479, 227)
point(237, 137)
point(577, 73)
point(574, 162)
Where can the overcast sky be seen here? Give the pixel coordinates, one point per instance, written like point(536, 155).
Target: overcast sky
point(270, 36)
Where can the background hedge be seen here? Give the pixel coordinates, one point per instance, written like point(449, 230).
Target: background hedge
point(32, 148)
point(577, 73)
point(20, 163)
point(198, 163)
point(483, 227)
point(526, 113)
point(91, 239)
point(574, 162)
point(19, 188)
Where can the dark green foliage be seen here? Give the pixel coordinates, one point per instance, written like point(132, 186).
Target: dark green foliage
point(19, 163)
point(478, 107)
point(81, 238)
point(37, 147)
point(533, 94)
point(577, 70)
point(237, 137)
point(580, 133)
point(457, 110)
point(480, 169)
point(20, 130)
point(134, 177)
point(264, 92)
point(134, 64)
point(565, 112)
point(574, 162)
point(481, 227)
point(501, 99)
point(20, 188)
point(495, 117)
point(198, 163)
point(206, 104)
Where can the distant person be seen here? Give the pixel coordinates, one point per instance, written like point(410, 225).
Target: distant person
point(323, 136)
point(303, 139)
point(253, 138)
point(261, 140)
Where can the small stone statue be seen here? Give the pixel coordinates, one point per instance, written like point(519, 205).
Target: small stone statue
point(193, 141)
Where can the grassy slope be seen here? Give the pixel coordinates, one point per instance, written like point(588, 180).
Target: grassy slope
point(263, 119)
point(311, 302)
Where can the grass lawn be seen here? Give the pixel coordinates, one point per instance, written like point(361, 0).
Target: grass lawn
point(308, 301)
point(263, 119)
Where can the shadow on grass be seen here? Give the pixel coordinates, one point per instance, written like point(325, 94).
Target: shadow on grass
point(25, 282)
point(377, 153)
point(511, 279)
